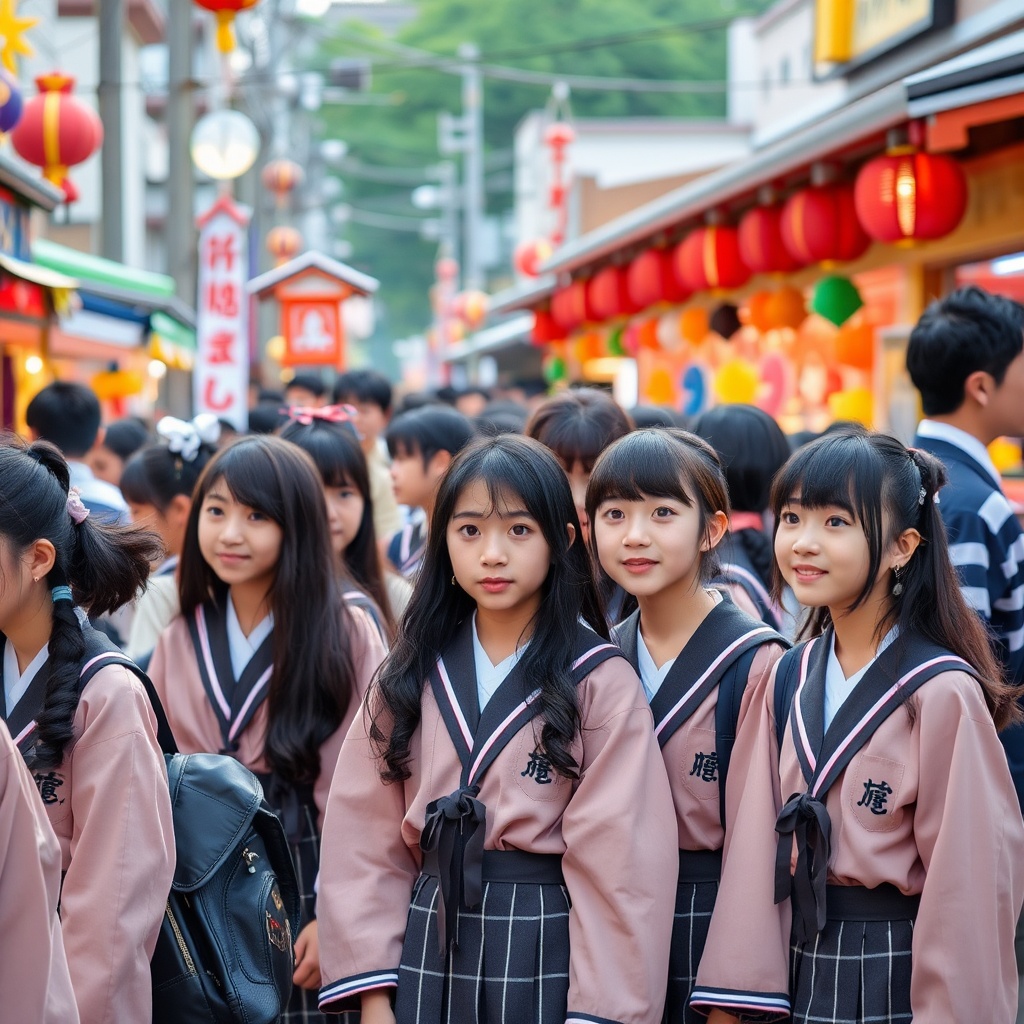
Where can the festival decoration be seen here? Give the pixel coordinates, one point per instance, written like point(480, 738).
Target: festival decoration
point(446, 269)
point(757, 312)
point(530, 256)
point(280, 177)
point(558, 136)
point(569, 306)
point(631, 339)
point(545, 330)
point(736, 382)
point(904, 197)
point(470, 308)
point(836, 299)
point(709, 258)
point(615, 345)
point(650, 279)
point(12, 32)
point(648, 335)
point(110, 385)
point(554, 369)
point(775, 375)
point(225, 10)
point(786, 308)
point(694, 325)
point(855, 405)
point(694, 383)
point(819, 225)
point(760, 241)
point(588, 346)
point(11, 102)
point(608, 295)
point(725, 321)
point(659, 387)
point(283, 243)
point(57, 130)
point(669, 337)
point(855, 345)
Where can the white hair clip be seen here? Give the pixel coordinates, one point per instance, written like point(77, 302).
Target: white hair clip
point(921, 495)
point(185, 439)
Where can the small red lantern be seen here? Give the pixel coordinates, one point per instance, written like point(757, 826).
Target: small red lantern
point(910, 196)
point(529, 256)
point(709, 257)
point(569, 306)
point(545, 329)
point(57, 130)
point(558, 135)
point(280, 177)
point(446, 269)
point(225, 11)
point(608, 294)
point(470, 308)
point(819, 225)
point(650, 279)
point(283, 243)
point(761, 245)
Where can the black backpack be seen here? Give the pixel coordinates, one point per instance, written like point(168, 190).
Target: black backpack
point(225, 951)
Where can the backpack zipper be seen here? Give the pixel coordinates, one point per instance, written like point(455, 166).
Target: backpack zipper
point(249, 856)
point(186, 956)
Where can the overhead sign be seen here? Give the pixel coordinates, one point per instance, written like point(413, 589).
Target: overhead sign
point(313, 332)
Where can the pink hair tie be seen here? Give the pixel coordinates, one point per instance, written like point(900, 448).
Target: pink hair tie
point(78, 512)
point(330, 413)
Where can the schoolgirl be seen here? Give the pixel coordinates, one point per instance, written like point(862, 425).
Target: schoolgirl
point(91, 746)
point(752, 449)
point(327, 436)
point(266, 662)
point(157, 483)
point(507, 784)
point(900, 857)
point(658, 506)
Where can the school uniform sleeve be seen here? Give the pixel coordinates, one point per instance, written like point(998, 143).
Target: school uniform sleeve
point(155, 608)
point(34, 979)
point(970, 838)
point(367, 872)
point(622, 857)
point(745, 966)
point(122, 851)
point(386, 517)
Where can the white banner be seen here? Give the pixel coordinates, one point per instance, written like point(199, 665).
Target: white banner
point(220, 379)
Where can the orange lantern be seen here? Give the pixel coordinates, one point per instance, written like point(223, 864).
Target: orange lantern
point(529, 256)
point(608, 294)
point(588, 346)
point(225, 10)
point(57, 131)
point(648, 336)
point(786, 308)
point(757, 311)
point(650, 279)
point(855, 345)
point(283, 243)
point(470, 308)
point(760, 241)
point(709, 257)
point(819, 225)
point(280, 177)
point(905, 197)
point(694, 324)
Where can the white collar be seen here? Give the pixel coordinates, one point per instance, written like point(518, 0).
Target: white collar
point(243, 647)
point(650, 675)
point(15, 681)
point(965, 442)
point(839, 686)
point(489, 676)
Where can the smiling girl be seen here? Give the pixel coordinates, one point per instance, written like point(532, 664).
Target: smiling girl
point(516, 855)
point(900, 859)
point(658, 505)
point(266, 662)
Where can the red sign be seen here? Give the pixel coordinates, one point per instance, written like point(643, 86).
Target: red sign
point(313, 332)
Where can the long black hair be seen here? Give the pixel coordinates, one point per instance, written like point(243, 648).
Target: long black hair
point(518, 472)
point(890, 489)
point(104, 565)
point(155, 475)
point(312, 681)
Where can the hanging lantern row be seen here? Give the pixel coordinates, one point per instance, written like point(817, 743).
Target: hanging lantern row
point(469, 309)
point(284, 243)
point(225, 10)
point(281, 177)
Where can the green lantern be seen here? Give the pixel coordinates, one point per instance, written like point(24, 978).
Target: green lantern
point(836, 299)
point(554, 369)
point(615, 347)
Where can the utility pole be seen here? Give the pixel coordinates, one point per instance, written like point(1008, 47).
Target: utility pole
point(473, 167)
point(111, 15)
point(181, 244)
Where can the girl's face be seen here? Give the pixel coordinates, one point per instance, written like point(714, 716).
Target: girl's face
point(498, 552)
point(345, 506)
point(105, 464)
point(651, 545)
point(169, 525)
point(241, 544)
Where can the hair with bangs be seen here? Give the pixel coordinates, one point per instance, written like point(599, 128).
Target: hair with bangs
point(890, 489)
point(522, 473)
point(312, 680)
point(660, 462)
point(578, 425)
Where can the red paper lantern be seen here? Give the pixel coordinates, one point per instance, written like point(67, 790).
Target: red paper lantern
point(650, 279)
point(283, 243)
point(225, 11)
point(819, 224)
point(910, 197)
point(282, 176)
point(761, 245)
point(446, 269)
point(57, 131)
point(569, 306)
point(545, 329)
point(709, 257)
point(529, 256)
point(470, 308)
point(608, 294)
point(558, 135)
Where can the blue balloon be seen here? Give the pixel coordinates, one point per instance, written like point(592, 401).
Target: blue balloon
point(11, 102)
point(695, 390)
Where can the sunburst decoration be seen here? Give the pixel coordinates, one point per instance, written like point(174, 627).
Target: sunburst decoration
point(12, 33)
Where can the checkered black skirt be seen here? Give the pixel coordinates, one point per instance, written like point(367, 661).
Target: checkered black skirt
point(855, 971)
point(510, 964)
point(694, 903)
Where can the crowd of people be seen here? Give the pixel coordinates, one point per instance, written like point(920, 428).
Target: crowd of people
point(570, 713)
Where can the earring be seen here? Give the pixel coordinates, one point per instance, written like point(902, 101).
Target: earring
point(453, 581)
point(897, 587)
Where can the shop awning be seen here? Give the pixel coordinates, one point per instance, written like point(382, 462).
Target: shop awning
point(521, 296)
point(492, 339)
point(37, 274)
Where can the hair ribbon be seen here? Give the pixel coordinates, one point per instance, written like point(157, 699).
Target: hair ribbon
point(328, 413)
point(184, 438)
point(76, 509)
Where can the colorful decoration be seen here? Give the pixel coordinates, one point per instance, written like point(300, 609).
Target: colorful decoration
point(631, 339)
point(615, 346)
point(111, 385)
point(650, 279)
point(283, 243)
point(225, 10)
point(694, 325)
point(648, 335)
point(659, 387)
point(470, 308)
point(554, 369)
point(757, 312)
point(669, 337)
point(836, 299)
point(446, 269)
point(608, 295)
point(529, 256)
point(725, 321)
point(57, 131)
point(545, 330)
point(569, 306)
point(786, 308)
point(1005, 454)
point(819, 225)
point(11, 102)
point(12, 32)
point(774, 390)
point(588, 346)
point(736, 382)
point(855, 405)
point(760, 242)
point(910, 196)
point(855, 345)
point(558, 136)
point(694, 383)
point(709, 258)
point(280, 177)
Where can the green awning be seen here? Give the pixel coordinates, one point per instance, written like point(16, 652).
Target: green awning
point(172, 331)
point(88, 268)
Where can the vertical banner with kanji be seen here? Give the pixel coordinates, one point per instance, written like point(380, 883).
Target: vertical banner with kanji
point(221, 374)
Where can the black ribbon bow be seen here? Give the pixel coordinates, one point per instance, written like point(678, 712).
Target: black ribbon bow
point(805, 819)
point(452, 842)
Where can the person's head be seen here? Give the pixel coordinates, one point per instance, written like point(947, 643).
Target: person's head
point(67, 415)
point(501, 417)
point(966, 358)
point(265, 419)
point(658, 505)
point(118, 442)
point(158, 480)
point(472, 401)
point(653, 416)
point(305, 390)
point(370, 394)
point(504, 528)
point(259, 523)
point(856, 513)
point(48, 544)
point(422, 444)
point(577, 426)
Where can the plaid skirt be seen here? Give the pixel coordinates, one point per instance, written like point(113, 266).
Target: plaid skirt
point(509, 963)
point(857, 971)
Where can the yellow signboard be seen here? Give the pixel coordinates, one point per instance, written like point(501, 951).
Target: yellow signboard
point(856, 30)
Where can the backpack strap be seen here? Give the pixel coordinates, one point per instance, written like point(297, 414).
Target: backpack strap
point(787, 678)
point(727, 716)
